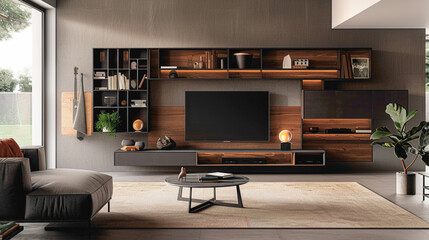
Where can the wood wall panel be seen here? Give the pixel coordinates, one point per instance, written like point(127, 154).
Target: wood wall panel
point(171, 121)
point(342, 150)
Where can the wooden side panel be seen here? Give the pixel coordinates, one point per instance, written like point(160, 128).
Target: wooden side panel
point(213, 74)
point(301, 74)
point(245, 74)
point(342, 150)
point(171, 121)
point(67, 113)
point(154, 58)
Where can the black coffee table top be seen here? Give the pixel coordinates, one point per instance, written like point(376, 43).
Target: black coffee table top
point(192, 180)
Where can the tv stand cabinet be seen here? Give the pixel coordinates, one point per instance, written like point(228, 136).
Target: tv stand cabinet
point(213, 157)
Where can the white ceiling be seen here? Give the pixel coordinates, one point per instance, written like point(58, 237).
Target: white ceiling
point(349, 14)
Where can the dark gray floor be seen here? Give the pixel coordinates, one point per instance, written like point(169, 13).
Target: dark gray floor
point(381, 183)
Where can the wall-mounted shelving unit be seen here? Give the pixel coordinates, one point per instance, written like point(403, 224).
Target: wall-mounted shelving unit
point(266, 63)
point(133, 65)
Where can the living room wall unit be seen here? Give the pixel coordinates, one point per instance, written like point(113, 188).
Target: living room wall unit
point(397, 57)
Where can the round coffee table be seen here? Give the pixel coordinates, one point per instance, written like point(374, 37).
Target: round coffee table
point(192, 181)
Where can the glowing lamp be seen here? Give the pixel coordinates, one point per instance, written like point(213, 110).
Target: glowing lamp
point(285, 137)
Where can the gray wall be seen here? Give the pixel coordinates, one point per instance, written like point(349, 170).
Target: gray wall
point(398, 55)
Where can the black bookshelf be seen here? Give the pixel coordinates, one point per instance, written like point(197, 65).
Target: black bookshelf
point(132, 63)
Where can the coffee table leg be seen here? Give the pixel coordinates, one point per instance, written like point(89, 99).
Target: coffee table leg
point(240, 201)
point(190, 200)
point(214, 193)
point(179, 195)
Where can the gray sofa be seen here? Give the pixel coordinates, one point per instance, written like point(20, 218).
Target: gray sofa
point(29, 192)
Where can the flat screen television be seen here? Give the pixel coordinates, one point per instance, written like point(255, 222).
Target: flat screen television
point(227, 116)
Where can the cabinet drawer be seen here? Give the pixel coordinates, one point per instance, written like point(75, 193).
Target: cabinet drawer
point(144, 158)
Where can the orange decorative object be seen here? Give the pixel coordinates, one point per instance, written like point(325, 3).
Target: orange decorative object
point(285, 136)
point(138, 125)
point(130, 148)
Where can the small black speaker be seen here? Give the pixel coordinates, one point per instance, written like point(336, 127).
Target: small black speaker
point(285, 146)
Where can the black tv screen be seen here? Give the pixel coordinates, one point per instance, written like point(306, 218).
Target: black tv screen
point(226, 116)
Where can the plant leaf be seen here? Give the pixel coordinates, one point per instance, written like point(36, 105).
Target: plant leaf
point(384, 144)
point(380, 133)
point(400, 151)
point(425, 159)
point(424, 138)
point(398, 114)
point(416, 129)
point(411, 115)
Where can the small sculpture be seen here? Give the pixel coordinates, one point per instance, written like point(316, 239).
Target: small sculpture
point(138, 125)
point(182, 174)
point(165, 143)
point(287, 62)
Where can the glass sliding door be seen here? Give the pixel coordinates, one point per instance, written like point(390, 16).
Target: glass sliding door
point(21, 73)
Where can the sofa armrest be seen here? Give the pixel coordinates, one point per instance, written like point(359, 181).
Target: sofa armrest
point(37, 157)
point(15, 183)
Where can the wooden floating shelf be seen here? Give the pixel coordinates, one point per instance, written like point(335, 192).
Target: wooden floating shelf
point(196, 73)
point(336, 136)
point(301, 73)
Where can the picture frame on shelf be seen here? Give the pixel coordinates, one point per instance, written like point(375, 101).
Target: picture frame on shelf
point(360, 68)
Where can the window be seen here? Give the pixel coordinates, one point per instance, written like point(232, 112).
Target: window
point(21, 72)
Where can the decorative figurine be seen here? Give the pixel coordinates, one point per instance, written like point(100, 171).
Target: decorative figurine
point(182, 174)
point(166, 143)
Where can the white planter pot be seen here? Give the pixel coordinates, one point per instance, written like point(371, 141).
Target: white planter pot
point(406, 183)
point(105, 129)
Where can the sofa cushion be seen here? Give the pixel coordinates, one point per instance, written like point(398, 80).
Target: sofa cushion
point(15, 182)
point(9, 148)
point(67, 194)
point(37, 157)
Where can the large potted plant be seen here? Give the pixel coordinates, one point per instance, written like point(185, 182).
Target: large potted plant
point(108, 122)
point(400, 141)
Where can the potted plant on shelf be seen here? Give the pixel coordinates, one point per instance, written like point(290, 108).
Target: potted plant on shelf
point(108, 122)
point(400, 142)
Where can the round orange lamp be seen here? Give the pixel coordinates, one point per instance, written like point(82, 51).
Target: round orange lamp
point(285, 137)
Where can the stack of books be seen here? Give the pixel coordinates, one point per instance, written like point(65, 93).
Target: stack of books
point(215, 177)
point(138, 103)
point(9, 230)
point(100, 75)
point(120, 82)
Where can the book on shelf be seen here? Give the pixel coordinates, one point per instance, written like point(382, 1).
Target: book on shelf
point(168, 67)
point(208, 179)
point(121, 82)
point(142, 81)
point(363, 131)
point(220, 175)
point(101, 88)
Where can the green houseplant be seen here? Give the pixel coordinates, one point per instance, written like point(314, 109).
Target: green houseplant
point(400, 141)
point(108, 122)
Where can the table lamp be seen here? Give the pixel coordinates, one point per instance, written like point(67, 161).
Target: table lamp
point(285, 137)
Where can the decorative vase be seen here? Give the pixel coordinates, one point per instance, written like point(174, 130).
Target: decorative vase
point(138, 125)
point(244, 60)
point(287, 62)
point(140, 144)
point(406, 183)
point(127, 142)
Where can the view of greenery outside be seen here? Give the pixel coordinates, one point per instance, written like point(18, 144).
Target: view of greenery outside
point(14, 17)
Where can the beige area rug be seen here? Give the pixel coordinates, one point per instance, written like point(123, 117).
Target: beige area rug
point(267, 205)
